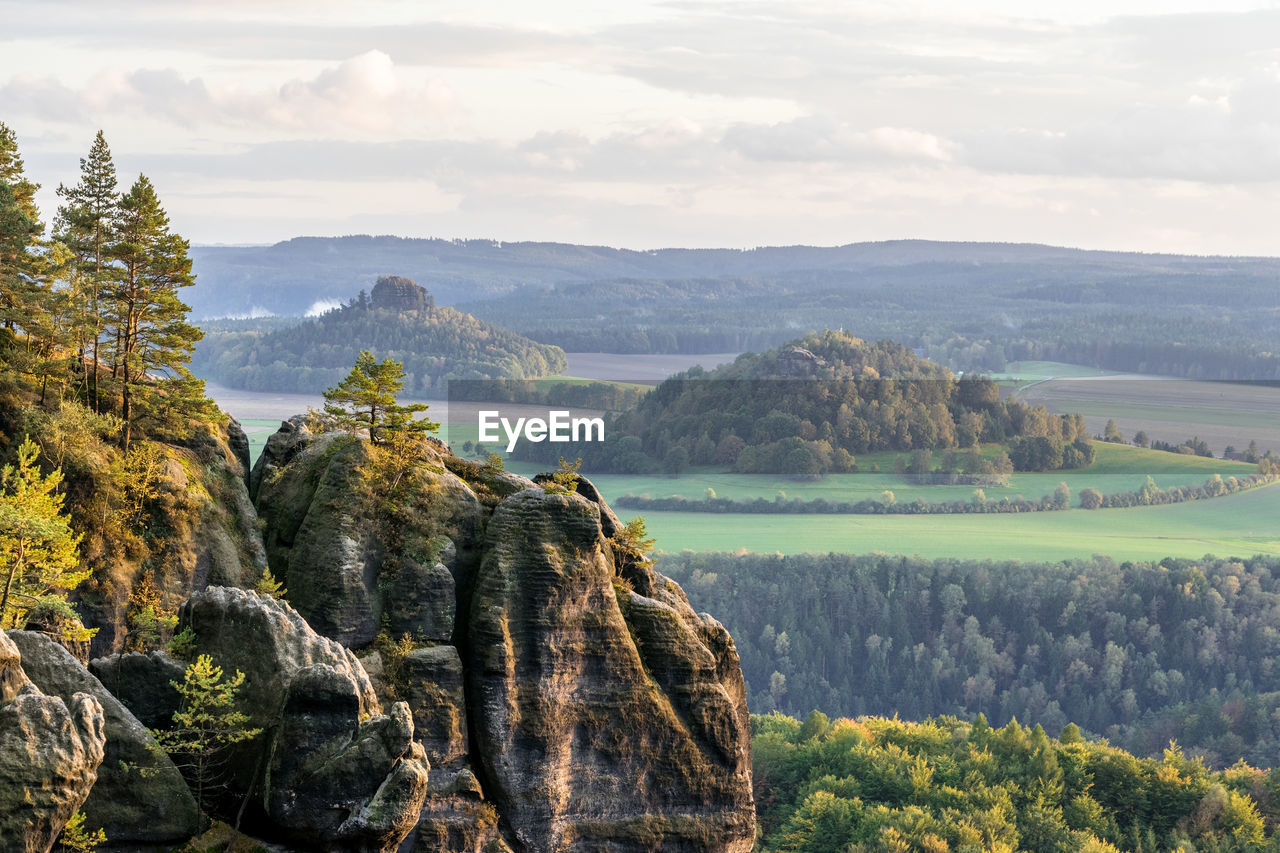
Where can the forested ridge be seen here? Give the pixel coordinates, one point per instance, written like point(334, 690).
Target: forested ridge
point(1139, 652)
point(1202, 318)
point(809, 407)
point(875, 785)
point(970, 306)
point(435, 344)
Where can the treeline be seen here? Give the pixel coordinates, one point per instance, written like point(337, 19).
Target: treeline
point(886, 505)
point(808, 408)
point(1152, 495)
point(1148, 495)
point(874, 785)
point(1109, 647)
point(92, 310)
point(606, 396)
point(435, 345)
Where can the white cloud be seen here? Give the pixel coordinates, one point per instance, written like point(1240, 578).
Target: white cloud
point(363, 96)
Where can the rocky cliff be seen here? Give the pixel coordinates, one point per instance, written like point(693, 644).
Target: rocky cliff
point(468, 661)
point(567, 695)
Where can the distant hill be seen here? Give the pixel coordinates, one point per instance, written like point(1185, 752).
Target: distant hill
point(398, 320)
point(967, 305)
point(809, 407)
point(289, 277)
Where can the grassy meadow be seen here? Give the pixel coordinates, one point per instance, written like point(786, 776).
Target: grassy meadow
point(1241, 524)
point(1117, 468)
point(1236, 525)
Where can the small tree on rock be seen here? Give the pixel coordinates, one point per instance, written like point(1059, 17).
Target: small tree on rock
point(366, 399)
point(205, 724)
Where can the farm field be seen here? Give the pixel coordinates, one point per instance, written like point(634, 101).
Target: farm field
point(1172, 410)
point(1237, 525)
point(1037, 371)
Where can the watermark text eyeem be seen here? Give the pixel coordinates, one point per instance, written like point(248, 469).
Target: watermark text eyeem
point(558, 426)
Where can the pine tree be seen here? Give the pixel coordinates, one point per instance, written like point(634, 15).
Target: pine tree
point(153, 340)
point(76, 839)
point(39, 553)
point(205, 724)
point(27, 298)
point(84, 227)
point(366, 399)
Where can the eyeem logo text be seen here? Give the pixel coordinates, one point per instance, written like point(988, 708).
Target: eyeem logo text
point(558, 426)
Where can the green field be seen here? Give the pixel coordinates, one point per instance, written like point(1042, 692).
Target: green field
point(1237, 525)
point(1242, 524)
point(258, 431)
point(1117, 468)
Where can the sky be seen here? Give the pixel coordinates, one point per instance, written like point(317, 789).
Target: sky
point(1148, 125)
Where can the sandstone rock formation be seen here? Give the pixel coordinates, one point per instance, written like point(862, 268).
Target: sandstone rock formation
point(143, 683)
point(605, 718)
point(568, 696)
point(331, 771)
point(50, 751)
point(397, 293)
point(140, 797)
point(322, 540)
point(204, 531)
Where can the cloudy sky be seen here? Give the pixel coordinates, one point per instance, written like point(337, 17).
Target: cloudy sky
point(1151, 125)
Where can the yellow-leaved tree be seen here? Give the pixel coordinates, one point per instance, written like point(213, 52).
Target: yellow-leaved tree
point(39, 552)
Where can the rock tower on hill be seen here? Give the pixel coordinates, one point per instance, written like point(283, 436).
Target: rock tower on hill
point(397, 293)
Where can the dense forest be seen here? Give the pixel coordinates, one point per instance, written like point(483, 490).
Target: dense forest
point(877, 785)
point(1138, 652)
point(808, 408)
point(435, 344)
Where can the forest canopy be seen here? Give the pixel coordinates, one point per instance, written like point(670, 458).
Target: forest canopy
point(1138, 652)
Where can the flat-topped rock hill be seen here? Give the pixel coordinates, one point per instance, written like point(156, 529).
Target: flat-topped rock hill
point(397, 293)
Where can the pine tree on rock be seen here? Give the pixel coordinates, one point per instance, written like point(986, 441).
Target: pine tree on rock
point(366, 399)
point(84, 227)
point(153, 341)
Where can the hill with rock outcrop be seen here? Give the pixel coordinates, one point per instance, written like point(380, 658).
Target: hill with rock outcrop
point(400, 320)
point(468, 660)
